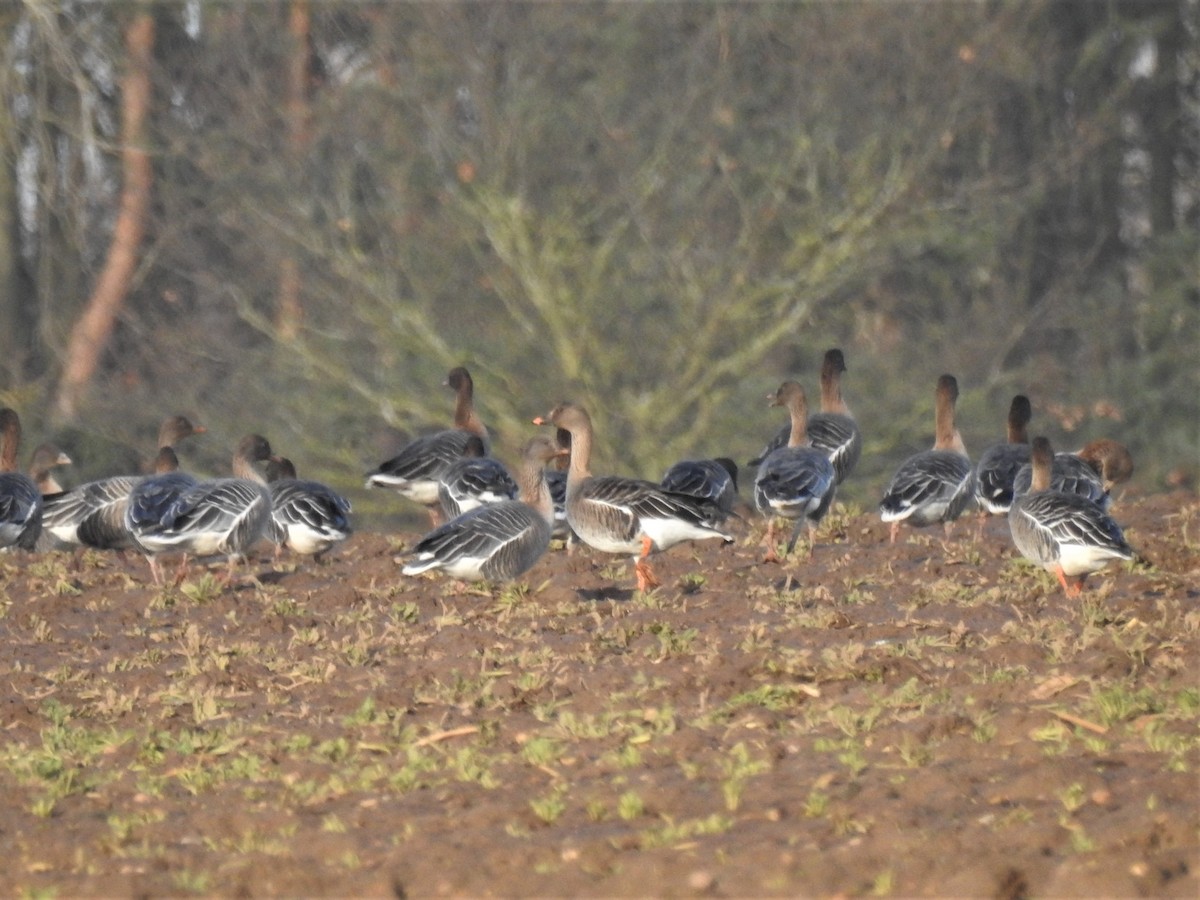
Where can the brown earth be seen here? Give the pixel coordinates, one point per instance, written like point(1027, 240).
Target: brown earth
point(928, 718)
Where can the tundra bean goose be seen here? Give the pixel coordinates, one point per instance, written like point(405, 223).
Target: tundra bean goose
point(416, 470)
point(93, 513)
point(934, 485)
point(1091, 471)
point(307, 517)
point(224, 516)
point(626, 515)
point(495, 541)
point(1063, 532)
point(833, 430)
point(20, 499)
point(796, 481)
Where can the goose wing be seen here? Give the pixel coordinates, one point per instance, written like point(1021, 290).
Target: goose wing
point(20, 511)
point(929, 483)
point(498, 542)
point(839, 438)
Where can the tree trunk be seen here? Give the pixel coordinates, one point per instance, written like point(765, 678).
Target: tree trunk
point(290, 309)
point(93, 328)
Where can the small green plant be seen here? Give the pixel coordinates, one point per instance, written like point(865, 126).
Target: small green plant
point(630, 806)
point(550, 806)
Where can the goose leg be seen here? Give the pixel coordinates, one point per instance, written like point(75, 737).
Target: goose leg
point(771, 555)
point(895, 530)
point(641, 567)
point(1071, 589)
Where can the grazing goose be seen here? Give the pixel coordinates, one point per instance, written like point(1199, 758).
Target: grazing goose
point(20, 499)
point(473, 480)
point(998, 464)
point(626, 515)
point(306, 516)
point(1091, 471)
point(714, 480)
point(796, 481)
point(1064, 533)
point(93, 513)
point(46, 458)
point(219, 516)
point(496, 541)
point(934, 485)
point(415, 471)
point(833, 430)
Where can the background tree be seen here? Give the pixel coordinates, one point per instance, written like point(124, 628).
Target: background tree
point(661, 210)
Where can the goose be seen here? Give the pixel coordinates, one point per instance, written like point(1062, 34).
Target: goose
point(473, 480)
point(626, 515)
point(218, 516)
point(495, 541)
point(556, 481)
point(415, 471)
point(714, 480)
point(934, 485)
point(998, 464)
point(833, 430)
point(46, 458)
point(20, 499)
point(93, 513)
point(1063, 532)
point(796, 481)
point(306, 516)
point(1092, 471)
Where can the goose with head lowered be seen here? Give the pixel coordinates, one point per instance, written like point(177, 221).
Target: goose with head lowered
point(307, 517)
point(933, 485)
point(713, 480)
point(495, 541)
point(474, 479)
point(219, 516)
point(20, 499)
point(614, 514)
point(1063, 532)
point(796, 481)
point(93, 514)
point(416, 470)
point(1092, 471)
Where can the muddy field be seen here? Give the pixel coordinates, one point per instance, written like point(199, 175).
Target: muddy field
point(928, 718)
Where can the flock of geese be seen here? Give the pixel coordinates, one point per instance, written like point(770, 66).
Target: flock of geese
point(489, 525)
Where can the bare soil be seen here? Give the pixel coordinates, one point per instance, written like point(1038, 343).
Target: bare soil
point(932, 717)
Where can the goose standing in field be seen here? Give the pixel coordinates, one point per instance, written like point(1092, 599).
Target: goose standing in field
point(833, 430)
point(495, 541)
point(416, 470)
point(307, 517)
point(556, 481)
point(998, 464)
point(934, 485)
point(474, 479)
point(1062, 532)
point(45, 459)
point(20, 499)
point(796, 481)
point(93, 513)
point(713, 480)
point(223, 516)
point(626, 515)
point(1092, 471)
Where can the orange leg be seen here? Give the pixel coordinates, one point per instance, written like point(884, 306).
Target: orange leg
point(1070, 588)
point(894, 531)
point(771, 556)
point(645, 575)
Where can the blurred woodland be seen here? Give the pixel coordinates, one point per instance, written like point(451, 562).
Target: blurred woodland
point(294, 217)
